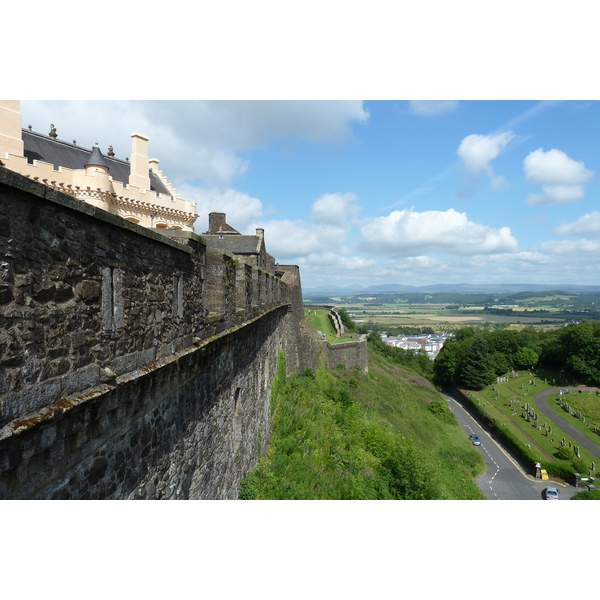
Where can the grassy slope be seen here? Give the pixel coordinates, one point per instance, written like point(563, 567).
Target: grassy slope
point(342, 435)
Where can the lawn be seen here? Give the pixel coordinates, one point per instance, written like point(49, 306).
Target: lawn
point(509, 402)
point(320, 321)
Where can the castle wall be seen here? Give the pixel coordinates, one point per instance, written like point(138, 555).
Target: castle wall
point(349, 354)
point(85, 295)
point(135, 364)
point(132, 363)
point(188, 426)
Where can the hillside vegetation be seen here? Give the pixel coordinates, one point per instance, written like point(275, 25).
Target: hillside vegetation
point(474, 359)
point(341, 434)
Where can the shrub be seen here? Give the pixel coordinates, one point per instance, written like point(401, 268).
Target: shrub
point(579, 465)
point(565, 453)
point(587, 495)
point(249, 487)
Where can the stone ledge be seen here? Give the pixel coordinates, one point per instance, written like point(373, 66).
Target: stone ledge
point(67, 403)
point(36, 188)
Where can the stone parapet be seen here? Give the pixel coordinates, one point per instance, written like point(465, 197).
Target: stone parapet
point(86, 295)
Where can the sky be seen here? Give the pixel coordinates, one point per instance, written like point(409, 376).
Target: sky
point(361, 193)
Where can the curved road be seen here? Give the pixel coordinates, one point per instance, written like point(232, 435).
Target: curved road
point(503, 479)
point(542, 404)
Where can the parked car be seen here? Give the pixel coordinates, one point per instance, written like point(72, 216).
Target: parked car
point(551, 493)
point(475, 439)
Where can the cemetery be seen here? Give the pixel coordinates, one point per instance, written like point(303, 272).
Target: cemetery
point(511, 404)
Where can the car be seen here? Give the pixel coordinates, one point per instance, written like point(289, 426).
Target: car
point(551, 493)
point(475, 439)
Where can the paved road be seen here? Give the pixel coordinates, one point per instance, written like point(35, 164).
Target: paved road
point(503, 478)
point(541, 401)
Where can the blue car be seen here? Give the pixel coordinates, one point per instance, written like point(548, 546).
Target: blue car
point(475, 439)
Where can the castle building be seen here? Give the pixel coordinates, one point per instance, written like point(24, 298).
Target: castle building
point(134, 189)
point(249, 248)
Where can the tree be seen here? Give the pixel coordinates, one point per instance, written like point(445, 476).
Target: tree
point(501, 363)
point(446, 365)
point(525, 358)
point(347, 322)
point(477, 370)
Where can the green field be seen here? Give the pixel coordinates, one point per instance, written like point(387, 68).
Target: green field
point(446, 312)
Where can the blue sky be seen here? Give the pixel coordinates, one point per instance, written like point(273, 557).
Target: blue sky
point(371, 192)
point(495, 180)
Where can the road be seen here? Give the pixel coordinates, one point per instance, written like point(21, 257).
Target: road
point(503, 479)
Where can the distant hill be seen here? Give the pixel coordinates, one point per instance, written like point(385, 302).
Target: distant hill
point(461, 288)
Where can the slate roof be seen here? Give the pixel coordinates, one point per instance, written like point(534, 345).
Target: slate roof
point(71, 156)
point(236, 244)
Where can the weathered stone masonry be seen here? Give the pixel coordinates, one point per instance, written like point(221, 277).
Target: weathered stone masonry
point(132, 364)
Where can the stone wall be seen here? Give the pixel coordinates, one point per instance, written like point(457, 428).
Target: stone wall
point(350, 354)
point(188, 426)
point(86, 296)
point(133, 364)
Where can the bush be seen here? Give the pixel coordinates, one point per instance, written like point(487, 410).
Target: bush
point(579, 465)
point(249, 487)
point(587, 495)
point(565, 453)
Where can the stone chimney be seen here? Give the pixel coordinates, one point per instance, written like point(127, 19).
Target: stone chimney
point(260, 232)
point(216, 222)
point(11, 140)
point(140, 165)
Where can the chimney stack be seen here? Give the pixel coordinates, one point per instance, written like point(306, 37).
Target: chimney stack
point(140, 165)
point(11, 140)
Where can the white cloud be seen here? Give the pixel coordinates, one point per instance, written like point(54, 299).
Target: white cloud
point(241, 209)
point(556, 194)
point(562, 177)
point(477, 151)
point(554, 168)
point(293, 239)
point(586, 226)
point(575, 250)
point(334, 209)
point(196, 139)
point(411, 233)
point(331, 219)
point(432, 108)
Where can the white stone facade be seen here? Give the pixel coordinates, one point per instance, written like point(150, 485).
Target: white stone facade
point(134, 199)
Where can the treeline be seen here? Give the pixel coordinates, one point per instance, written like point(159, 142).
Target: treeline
point(473, 359)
